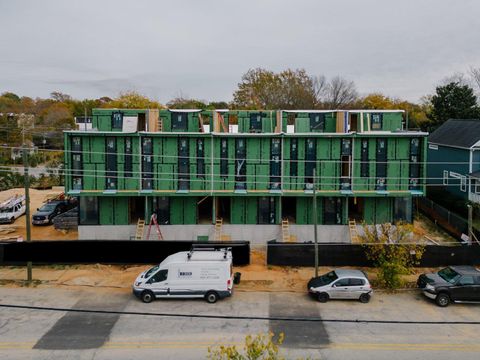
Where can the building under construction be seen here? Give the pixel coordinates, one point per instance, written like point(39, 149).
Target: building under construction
point(242, 174)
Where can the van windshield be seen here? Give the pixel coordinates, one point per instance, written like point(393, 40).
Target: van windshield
point(151, 271)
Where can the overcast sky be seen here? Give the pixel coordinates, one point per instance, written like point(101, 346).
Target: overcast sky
point(201, 48)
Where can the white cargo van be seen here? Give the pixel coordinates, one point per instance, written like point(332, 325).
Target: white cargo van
point(199, 273)
point(12, 209)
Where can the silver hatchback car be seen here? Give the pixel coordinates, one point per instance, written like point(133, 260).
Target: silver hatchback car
point(341, 284)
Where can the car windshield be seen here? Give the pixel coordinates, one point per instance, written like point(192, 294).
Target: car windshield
point(6, 210)
point(47, 207)
point(151, 271)
point(448, 274)
point(326, 279)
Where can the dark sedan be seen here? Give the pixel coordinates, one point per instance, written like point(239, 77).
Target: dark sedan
point(452, 284)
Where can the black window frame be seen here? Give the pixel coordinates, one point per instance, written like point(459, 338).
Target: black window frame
point(321, 122)
point(373, 122)
point(117, 120)
point(201, 158)
point(310, 160)
point(414, 168)
point(183, 164)
point(255, 123)
point(224, 157)
point(147, 163)
point(77, 170)
point(175, 124)
point(128, 167)
point(275, 164)
point(381, 164)
point(294, 157)
point(111, 177)
point(240, 164)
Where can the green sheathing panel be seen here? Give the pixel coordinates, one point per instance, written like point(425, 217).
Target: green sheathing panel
point(113, 210)
point(304, 211)
point(183, 210)
point(243, 210)
point(392, 121)
point(102, 118)
point(378, 210)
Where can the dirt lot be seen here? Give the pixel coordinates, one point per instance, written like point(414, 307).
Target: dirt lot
point(255, 277)
point(18, 228)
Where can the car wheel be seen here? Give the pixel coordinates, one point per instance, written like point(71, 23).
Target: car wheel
point(147, 296)
point(211, 297)
point(364, 298)
point(442, 300)
point(12, 220)
point(323, 297)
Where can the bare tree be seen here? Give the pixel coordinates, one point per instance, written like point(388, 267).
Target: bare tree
point(340, 93)
point(320, 89)
point(475, 74)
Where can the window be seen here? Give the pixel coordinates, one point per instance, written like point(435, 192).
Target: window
point(147, 164)
point(256, 122)
point(477, 186)
point(275, 166)
point(463, 183)
point(376, 121)
point(364, 165)
point(381, 164)
point(159, 276)
point(357, 282)
point(179, 121)
point(333, 209)
point(317, 122)
point(266, 210)
point(88, 210)
point(414, 163)
point(342, 282)
point(111, 163)
point(183, 165)
point(223, 158)
point(466, 280)
point(128, 157)
point(117, 120)
point(162, 209)
point(200, 158)
point(293, 158)
point(240, 164)
point(310, 162)
point(77, 165)
point(445, 177)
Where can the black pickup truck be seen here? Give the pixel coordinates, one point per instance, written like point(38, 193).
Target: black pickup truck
point(45, 214)
point(452, 284)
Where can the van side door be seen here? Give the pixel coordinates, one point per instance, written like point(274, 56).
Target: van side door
point(158, 283)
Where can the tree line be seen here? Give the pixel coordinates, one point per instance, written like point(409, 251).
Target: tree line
point(258, 89)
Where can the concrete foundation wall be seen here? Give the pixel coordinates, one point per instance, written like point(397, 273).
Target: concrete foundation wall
point(256, 234)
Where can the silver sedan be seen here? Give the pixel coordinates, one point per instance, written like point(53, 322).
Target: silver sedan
point(341, 284)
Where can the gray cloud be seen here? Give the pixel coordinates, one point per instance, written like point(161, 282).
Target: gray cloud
point(201, 48)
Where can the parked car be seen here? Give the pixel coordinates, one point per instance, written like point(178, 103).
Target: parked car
point(199, 273)
point(452, 284)
point(12, 209)
point(48, 211)
point(341, 284)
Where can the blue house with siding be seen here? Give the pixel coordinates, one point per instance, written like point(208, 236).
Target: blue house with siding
point(454, 158)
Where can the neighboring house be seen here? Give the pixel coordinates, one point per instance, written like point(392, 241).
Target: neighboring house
point(245, 168)
point(454, 158)
point(83, 123)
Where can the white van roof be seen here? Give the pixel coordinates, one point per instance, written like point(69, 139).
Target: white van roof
point(198, 255)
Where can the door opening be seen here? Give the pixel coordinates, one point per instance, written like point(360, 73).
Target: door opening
point(204, 210)
point(289, 209)
point(356, 209)
point(136, 209)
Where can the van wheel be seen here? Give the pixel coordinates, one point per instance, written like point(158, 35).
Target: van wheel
point(147, 297)
point(364, 298)
point(12, 220)
point(211, 297)
point(323, 297)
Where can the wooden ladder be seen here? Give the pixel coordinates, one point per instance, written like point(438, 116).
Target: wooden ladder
point(218, 229)
point(285, 230)
point(352, 225)
point(140, 229)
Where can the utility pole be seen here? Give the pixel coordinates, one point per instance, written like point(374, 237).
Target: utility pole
point(315, 220)
point(26, 181)
point(470, 226)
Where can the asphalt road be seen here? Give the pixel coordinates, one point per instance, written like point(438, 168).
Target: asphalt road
point(46, 334)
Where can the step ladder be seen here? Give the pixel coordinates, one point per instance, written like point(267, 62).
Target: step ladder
point(218, 229)
point(153, 221)
point(354, 237)
point(285, 230)
point(140, 228)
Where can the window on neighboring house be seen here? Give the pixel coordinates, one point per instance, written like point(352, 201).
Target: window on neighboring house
point(445, 177)
point(117, 120)
point(376, 121)
point(463, 183)
point(128, 157)
point(477, 186)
